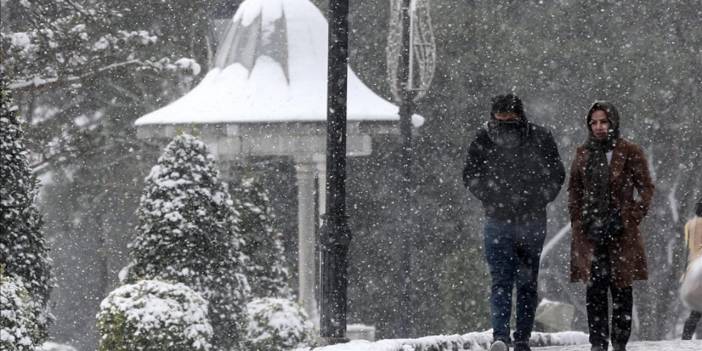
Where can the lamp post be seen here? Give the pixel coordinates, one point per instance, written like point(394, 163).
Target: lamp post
point(405, 243)
point(411, 57)
point(335, 233)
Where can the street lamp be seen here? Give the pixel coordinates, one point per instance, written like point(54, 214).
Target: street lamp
point(411, 59)
point(335, 233)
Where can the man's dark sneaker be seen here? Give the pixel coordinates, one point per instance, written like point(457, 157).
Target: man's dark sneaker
point(619, 347)
point(598, 348)
point(521, 346)
point(499, 345)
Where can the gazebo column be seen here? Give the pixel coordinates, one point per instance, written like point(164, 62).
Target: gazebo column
point(320, 163)
point(305, 173)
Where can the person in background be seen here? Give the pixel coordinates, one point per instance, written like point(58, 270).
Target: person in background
point(607, 251)
point(693, 241)
point(514, 169)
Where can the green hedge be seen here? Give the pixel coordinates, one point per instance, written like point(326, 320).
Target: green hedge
point(276, 324)
point(152, 315)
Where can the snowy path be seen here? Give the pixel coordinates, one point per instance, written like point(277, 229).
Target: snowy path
point(667, 345)
point(480, 341)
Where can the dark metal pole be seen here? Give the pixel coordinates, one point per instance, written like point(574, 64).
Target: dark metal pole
point(335, 233)
point(408, 232)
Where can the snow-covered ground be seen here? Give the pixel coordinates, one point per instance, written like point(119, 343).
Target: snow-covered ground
point(392, 345)
point(475, 341)
point(666, 345)
point(567, 341)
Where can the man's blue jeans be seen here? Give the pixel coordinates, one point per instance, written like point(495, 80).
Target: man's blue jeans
point(513, 250)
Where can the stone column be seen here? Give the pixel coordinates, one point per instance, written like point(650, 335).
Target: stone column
point(320, 163)
point(305, 171)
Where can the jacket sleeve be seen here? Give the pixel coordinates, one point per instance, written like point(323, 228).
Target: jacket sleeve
point(475, 172)
point(554, 169)
point(546, 181)
point(642, 182)
point(576, 190)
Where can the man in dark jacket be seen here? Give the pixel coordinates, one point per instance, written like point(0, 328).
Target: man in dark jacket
point(514, 168)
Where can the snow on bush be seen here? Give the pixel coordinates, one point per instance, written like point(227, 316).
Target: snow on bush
point(19, 330)
point(276, 324)
point(188, 64)
point(154, 315)
point(188, 233)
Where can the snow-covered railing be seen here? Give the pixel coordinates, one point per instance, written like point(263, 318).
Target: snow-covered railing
point(477, 341)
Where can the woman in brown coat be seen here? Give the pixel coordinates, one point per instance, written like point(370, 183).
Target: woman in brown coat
point(607, 250)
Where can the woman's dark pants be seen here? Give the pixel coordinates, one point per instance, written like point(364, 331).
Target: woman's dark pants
point(598, 306)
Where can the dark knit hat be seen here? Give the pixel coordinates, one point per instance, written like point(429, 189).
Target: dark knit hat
point(612, 116)
point(508, 103)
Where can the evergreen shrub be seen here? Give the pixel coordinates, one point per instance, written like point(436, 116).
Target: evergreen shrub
point(23, 251)
point(188, 233)
point(155, 316)
point(263, 245)
point(19, 330)
point(276, 324)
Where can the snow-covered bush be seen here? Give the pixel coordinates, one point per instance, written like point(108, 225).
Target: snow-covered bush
point(276, 324)
point(19, 329)
point(188, 233)
point(263, 245)
point(154, 315)
point(23, 251)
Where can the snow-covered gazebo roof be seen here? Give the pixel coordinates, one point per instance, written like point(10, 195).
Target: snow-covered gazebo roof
point(271, 66)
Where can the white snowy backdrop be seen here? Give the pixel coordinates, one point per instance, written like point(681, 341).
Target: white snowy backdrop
point(82, 71)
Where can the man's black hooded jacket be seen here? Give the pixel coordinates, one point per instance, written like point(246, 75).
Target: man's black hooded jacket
point(514, 182)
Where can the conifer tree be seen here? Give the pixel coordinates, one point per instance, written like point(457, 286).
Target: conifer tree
point(263, 245)
point(81, 72)
point(23, 251)
point(188, 233)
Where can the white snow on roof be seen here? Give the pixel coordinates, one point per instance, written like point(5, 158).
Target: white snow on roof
point(271, 66)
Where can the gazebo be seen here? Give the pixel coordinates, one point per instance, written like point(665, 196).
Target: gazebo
point(266, 96)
